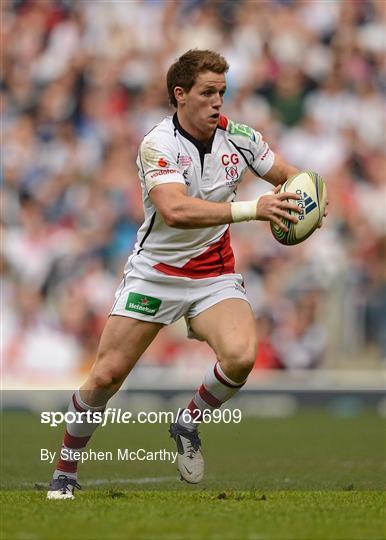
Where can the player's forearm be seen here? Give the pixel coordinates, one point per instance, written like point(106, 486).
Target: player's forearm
point(283, 176)
point(194, 213)
point(280, 171)
point(184, 212)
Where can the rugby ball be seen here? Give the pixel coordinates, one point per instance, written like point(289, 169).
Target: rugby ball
point(313, 199)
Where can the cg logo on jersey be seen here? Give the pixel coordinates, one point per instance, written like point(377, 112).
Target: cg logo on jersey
point(232, 174)
point(226, 159)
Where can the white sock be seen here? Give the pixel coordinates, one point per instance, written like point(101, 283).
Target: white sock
point(76, 436)
point(215, 390)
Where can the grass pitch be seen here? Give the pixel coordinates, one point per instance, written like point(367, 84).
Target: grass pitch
point(196, 514)
point(311, 476)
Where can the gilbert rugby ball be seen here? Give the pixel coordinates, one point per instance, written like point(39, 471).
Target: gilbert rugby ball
point(313, 198)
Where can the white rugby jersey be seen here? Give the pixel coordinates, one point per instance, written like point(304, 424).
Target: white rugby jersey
point(209, 171)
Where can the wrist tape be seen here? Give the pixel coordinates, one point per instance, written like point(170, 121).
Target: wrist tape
point(244, 210)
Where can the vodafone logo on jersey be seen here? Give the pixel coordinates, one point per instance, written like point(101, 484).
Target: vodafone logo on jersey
point(166, 171)
point(162, 162)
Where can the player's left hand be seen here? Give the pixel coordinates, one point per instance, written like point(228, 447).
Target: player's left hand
point(324, 215)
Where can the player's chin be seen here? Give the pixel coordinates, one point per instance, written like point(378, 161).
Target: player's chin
point(212, 122)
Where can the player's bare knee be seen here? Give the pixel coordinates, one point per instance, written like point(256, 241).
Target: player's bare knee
point(108, 371)
point(239, 357)
point(103, 379)
point(246, 362)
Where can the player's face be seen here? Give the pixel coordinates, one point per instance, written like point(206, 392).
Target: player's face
point(199, 109)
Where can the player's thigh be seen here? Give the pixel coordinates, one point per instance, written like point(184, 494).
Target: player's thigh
point(229, 328)
point(123, 341)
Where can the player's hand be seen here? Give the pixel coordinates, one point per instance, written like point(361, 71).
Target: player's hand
point(324, 215)
point(274, 207)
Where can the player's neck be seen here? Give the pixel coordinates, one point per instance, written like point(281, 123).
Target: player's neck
point(192, 130)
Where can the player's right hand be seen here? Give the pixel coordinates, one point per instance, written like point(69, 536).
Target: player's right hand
point(274, 206)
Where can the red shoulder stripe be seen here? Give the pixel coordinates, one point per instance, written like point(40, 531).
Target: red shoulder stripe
point(222, 122)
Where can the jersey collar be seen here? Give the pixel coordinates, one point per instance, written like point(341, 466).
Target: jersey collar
point(201, 147)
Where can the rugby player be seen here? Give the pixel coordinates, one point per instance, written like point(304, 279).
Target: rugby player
point(190, 166)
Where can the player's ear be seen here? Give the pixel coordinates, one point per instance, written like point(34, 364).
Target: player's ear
point(180, 95)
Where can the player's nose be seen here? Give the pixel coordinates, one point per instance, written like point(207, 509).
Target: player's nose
point(218, 101)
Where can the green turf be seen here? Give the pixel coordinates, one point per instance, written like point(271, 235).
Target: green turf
point(197, 515)
point(311, 476)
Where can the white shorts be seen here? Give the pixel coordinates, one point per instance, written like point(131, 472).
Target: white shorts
point(168, 300)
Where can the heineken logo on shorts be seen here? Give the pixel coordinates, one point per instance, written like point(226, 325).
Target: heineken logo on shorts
point(141, 303)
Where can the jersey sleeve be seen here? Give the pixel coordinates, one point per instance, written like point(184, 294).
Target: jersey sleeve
point(262, 155)
point(252, 147)
point(157, 164)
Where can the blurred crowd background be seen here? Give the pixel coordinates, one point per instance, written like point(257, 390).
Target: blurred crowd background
point(83, 81)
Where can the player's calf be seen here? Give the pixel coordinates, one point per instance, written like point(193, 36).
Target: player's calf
point(216, 389)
